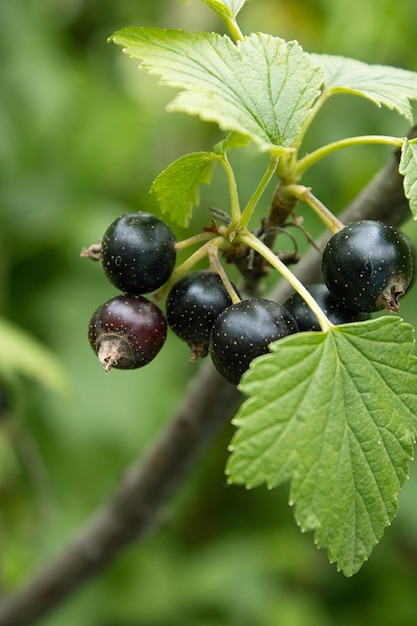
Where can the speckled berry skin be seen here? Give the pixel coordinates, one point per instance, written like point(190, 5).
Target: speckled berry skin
point(336, 312)
point(127, 332)
point(138, 252)
point(193, 305)
point(368, 266)
point(244, 331)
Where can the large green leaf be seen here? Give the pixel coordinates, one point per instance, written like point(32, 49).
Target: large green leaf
point(177, 187)
point(262, 87)
point(392, 87)
point(335, 413)
point(408, 167)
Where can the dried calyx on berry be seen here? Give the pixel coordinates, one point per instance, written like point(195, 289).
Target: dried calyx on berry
point(368, 266)
point(127, 332)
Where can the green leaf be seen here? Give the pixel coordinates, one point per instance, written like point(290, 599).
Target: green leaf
point(22, 354)
point(225, 8)
point(177, 187)
point(232, 140)
point(408, 168)
point(392, 87)
point(261, 87)
point(335, 413)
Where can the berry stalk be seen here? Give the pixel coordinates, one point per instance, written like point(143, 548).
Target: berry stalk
point(305, 195)
point(257, 245)
point(186, 266)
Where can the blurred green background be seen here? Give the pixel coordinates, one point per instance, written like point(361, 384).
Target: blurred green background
point(82, 136)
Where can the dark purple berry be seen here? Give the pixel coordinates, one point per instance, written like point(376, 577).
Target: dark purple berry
point(138, 252)
point(368, 266)
point(244, 331)
point(193, 305)
point(331, 306)
point(127, 332)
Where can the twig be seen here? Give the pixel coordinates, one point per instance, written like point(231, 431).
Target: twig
point(134, 507)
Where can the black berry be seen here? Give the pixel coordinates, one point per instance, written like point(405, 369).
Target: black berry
point(138, 252)
point(127, 332)
point(244, 331)
point(193, 305)
point(368, 266)
point(329, 304)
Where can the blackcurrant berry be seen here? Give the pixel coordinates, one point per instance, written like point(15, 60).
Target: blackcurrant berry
point(192, 307)
point(330, 305)
point(244, 331)
point(138, 252)
point(368, 266)
point(127, 332)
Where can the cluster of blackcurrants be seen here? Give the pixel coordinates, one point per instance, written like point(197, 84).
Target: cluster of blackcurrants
point(366, 267)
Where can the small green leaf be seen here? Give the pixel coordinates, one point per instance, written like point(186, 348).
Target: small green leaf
point(232, 140)
point(261, 87)
point(408, 168)
point(392, 87)
point(225, 8)
point(335, 413)
point(177, 187)
point(22, 354)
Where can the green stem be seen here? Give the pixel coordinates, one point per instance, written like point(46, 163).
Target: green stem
point(312, 158)
point(250, 207)
point(218, 267)
point(305, 195)
point(316, 108)
point(233, 28)
point(261, 248)
point(235, 213)
point(190, 241)
point(186, 266)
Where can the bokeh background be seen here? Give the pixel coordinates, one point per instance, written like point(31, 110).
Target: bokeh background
point(82, 136)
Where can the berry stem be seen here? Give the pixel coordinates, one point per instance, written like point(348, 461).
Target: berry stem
point(233, 28)
point(235, 213)
point(257, 245)
point(312, 158)
point(190, 241)
point(305, 195)
point(186, 266)
point(218, 267)
point(250, 207)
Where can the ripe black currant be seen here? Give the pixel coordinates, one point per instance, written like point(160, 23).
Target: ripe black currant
point(138, 252)
point(332, 307)
point(368, 266)
point(244, 331)
point(192, 307)
point(127, 332)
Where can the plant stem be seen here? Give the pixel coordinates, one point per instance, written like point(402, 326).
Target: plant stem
point(233, 28)
point(185, 267)
point(305, 195)
point(267, 253)
point(190, 241)
point(316, 108)
point(250, 207)
point(235, 214)
point(312, 158)
point(218, 267)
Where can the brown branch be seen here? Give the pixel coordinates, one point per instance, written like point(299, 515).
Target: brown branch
point(134, 507)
